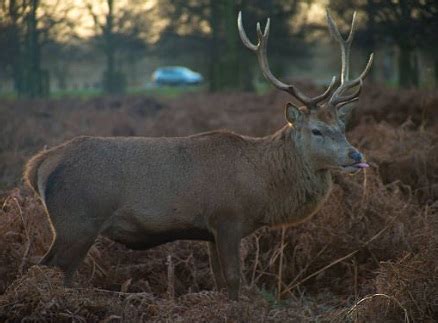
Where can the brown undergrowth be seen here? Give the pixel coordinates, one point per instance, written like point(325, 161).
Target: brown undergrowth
point(369, 255)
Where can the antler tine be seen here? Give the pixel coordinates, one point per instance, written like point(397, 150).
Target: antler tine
point(348, 98)
point(347, 102)
point(337, 99)
point(261, 50)
point(345, 45)
point(243, 36)
point(324, 95)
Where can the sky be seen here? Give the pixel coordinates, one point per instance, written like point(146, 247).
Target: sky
point(79, 12)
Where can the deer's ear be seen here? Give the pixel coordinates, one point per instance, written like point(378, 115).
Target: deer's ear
point(345, 113)
point(293, 114)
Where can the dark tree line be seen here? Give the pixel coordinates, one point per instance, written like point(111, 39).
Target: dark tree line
point(407, 24)
point(230, 64)
point(22, 36)
point(207, 28)
point(28, 27)
point(118, 38)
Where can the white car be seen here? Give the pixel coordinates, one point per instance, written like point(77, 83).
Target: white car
point(176, 75)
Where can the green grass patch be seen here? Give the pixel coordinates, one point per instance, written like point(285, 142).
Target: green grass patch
point(166, 91)
point(155, 91)
point(80, 93)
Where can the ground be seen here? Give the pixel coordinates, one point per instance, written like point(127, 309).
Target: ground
point(369, 255)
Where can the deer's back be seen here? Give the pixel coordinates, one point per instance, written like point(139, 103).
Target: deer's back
point(157, 184)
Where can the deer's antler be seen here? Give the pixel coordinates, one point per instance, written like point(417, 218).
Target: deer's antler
point(260, 50)
point(337, 99)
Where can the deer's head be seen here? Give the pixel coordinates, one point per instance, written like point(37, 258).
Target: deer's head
point(320, 121)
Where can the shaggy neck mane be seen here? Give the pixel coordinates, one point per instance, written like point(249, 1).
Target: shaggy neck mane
point(295, 190)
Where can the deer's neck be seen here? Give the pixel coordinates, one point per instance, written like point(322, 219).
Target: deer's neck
point(294, 189)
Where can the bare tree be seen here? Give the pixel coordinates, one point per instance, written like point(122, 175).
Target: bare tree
point(117, 32)
point(408, 24)
point(229, 66)
point(27, 27)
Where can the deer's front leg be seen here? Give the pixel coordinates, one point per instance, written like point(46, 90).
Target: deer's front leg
point(216, 266)
point(228, 246)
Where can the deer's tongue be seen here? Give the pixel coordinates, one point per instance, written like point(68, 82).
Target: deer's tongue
point(362, 165)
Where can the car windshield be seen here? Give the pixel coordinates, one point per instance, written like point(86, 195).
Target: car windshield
point(175, 70)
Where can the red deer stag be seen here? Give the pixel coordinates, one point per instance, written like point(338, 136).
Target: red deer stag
point(214, 186)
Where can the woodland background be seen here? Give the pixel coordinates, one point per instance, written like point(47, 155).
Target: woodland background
point(71, 68)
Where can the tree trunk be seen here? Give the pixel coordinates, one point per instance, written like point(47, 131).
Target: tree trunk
point(226, 66)
point(16, 51)
point(214, 69)
point(436, 71)
point(415, 69)
point(109, 49)
point(113, 79)
point(230, 68)
point(408, 74)
point(407, 71)
point(32, 78)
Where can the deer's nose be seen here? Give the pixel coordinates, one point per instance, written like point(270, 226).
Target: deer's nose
point(355, 155)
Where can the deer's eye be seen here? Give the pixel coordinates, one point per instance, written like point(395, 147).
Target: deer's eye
point(316, 132)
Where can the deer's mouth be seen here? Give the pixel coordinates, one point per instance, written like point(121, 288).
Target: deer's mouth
point(354, 167)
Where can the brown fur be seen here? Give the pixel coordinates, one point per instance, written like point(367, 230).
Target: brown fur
point(326, 116)
point(216, 186)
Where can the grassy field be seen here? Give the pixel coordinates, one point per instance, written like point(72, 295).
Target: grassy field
point(369, 255)
point(153, 91)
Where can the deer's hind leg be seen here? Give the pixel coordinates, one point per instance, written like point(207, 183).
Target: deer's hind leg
point(72, 240)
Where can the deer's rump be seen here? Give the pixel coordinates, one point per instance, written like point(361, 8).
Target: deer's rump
point(141, 192)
